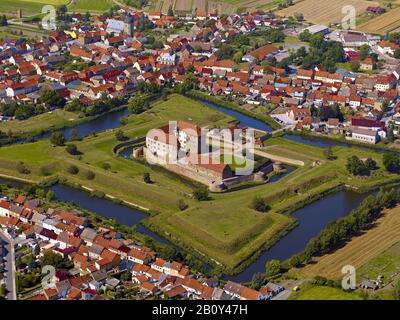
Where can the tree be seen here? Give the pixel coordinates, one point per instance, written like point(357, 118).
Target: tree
point(364, 51)
point(370, 164)
point(137, 104)
point(50, 258)
point(237, 58)
point(201, 194)
point(57, 139)
point(273, 268)
point(126, 276)
point(355, 166)
point(72, 149)
point(391, 162)
point(182, 205)
point(74, 136)
point(354, 66)
point(120, 136)
point(170, 11)
point(295, 261)
point(299, 16)
point(73, 169)
point(328, 153)
point(396, 290)
point(106, 166)
point(50, 195)
point(146, 177)
point(259, 204)
point(21, 168)
point(89, 175)
point(390, 134)
point(3, 21)
point(52, 98)
point(397, 54)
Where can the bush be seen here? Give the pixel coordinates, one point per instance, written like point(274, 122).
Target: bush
point(106, 166)
point(259, 204)
point(146, 177)
point(391, 161)
point(97, 194)
point(72, 149)
point(21, 168)
point(182, 205)
point(89, 175)
point(44, 171)
point(121, 136)
point(57, 139)
point(73, 169)
point(201, 194)
point(370, 164)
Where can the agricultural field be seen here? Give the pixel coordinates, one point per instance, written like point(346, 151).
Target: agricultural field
point(211, 6)
point(389, 21)
point(323, 293)
point(29, 7)
point(361, 249)
point(34, 7)
point(325, 11)
point(90, 5)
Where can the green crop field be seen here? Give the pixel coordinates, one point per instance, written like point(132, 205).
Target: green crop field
point(32, 7)
point(90, 5)
point(29, 7)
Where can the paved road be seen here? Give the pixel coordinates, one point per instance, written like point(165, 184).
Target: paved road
point(9, 266)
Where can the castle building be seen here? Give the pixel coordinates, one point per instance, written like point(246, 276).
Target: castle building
point(178, 147)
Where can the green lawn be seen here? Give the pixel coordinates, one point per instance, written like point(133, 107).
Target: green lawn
point(45, 121)
point(323, 293)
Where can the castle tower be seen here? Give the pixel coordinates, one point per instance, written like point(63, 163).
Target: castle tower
point(19, 13)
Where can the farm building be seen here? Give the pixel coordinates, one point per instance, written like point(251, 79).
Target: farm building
point(376, 10)
point(318, 28)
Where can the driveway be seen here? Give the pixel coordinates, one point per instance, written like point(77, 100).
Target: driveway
point(9, 266)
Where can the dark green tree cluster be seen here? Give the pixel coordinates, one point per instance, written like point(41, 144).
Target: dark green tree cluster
point(322, 52)
point(3, 21)
point(356, 166)
point(391, 162)
point(52, 98)
point(50, 258)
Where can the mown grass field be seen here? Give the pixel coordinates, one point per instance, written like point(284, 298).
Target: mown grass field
point(224, 228)
point(323, 293)
point(41, 122)
point(362, 249)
